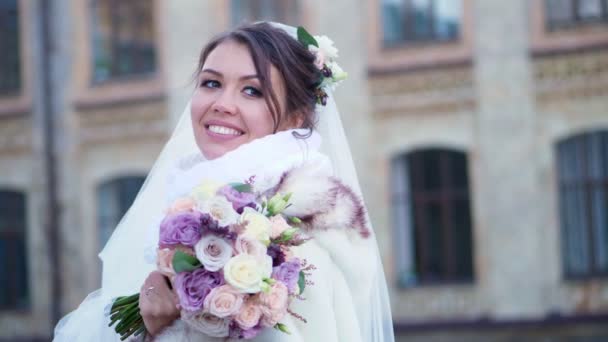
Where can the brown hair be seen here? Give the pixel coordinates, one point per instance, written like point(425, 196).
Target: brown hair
point(269, 45)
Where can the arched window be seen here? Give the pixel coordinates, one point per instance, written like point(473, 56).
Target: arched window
point(14, 289)
point(113, 200)
point(122, 38)
point(431, 215)
point(284, 11)
point(583, 188)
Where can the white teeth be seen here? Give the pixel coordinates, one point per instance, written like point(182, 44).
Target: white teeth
point(223, 130)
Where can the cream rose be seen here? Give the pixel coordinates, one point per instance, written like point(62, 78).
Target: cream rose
point(257, 225)
point(182, 204)
point(246, 273)
point(164, 261)
point(213, 252)
point(249, 315)
point(274, 304)
point(220, 209)
point(223, 301)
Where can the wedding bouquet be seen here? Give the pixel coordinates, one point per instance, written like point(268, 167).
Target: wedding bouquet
point(227, 253)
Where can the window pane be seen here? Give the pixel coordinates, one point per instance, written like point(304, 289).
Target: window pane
point(447, 19)
point(10, 59)
point(392, 20)
point(421, 17)
point(589, 9)
point(463, 240)
point(559, 11)
point(123, 38)
point(14, 293)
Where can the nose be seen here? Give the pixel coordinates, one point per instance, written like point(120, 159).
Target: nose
point(224, 104)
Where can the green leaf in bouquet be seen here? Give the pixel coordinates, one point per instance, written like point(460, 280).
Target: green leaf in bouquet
point(184, 262)
point(241, 187)
point(302, 282)
point(282, 327)
point(306, 38)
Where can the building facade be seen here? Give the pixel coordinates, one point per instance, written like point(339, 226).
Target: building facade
point(479, 129)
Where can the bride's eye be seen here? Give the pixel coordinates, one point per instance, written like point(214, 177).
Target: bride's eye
point(210, 84)
point(252, 91)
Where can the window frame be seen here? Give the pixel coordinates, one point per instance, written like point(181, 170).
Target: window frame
point(586, 185)
point(405, 43)
point(113, 76)
point(413, 270)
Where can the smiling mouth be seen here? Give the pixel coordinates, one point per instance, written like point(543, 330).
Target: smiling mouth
point(223, 130)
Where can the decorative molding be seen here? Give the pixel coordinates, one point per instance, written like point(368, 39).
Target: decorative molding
point(122, 121)
point(15, 133)
point(581, 73)
point(424, 90)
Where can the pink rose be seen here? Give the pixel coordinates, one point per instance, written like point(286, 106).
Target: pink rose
point(223, 301)
point(245, 244)
point(250, 315)
point(164, 261)
point(277, 226)
point(181, 205)
point(274, 304)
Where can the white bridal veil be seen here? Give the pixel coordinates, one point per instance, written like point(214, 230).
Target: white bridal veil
point(124, 265)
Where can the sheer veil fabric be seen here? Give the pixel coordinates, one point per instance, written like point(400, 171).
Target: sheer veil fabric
point(124, 263)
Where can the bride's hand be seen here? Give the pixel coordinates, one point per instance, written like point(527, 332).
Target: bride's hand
point(158, 303)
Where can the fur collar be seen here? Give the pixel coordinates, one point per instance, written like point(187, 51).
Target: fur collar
point(322, 201)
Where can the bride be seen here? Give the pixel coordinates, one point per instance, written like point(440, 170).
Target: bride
point(263, 107)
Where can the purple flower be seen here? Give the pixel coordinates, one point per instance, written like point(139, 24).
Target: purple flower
point(238, 199)
point(193, 287)
point(251, 333)
point(210, 226)
point(183, 228)
point(276, 254)
point(288, 273)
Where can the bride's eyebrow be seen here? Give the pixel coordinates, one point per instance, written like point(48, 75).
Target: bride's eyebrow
point(219, 74)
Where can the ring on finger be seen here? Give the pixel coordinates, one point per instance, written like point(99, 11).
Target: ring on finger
point(148, 290)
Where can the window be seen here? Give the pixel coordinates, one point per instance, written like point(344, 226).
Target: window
point(431, 210)
point(583, 188)
point(114, 198)
point(409, 21)
point(14, 293)
point(123, 38)
point(284, 11)
point(10, 65)
point(570, 13)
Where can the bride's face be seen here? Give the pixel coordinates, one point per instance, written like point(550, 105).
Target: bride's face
point(228, 108)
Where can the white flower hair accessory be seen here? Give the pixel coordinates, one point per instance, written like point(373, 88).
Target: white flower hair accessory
point(325, 54)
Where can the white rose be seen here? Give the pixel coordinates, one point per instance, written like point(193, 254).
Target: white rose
point(257, 225)
point(246, 272)
point(327, 47)
point(209, 324)
point(220, 209)
point(213, 252)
